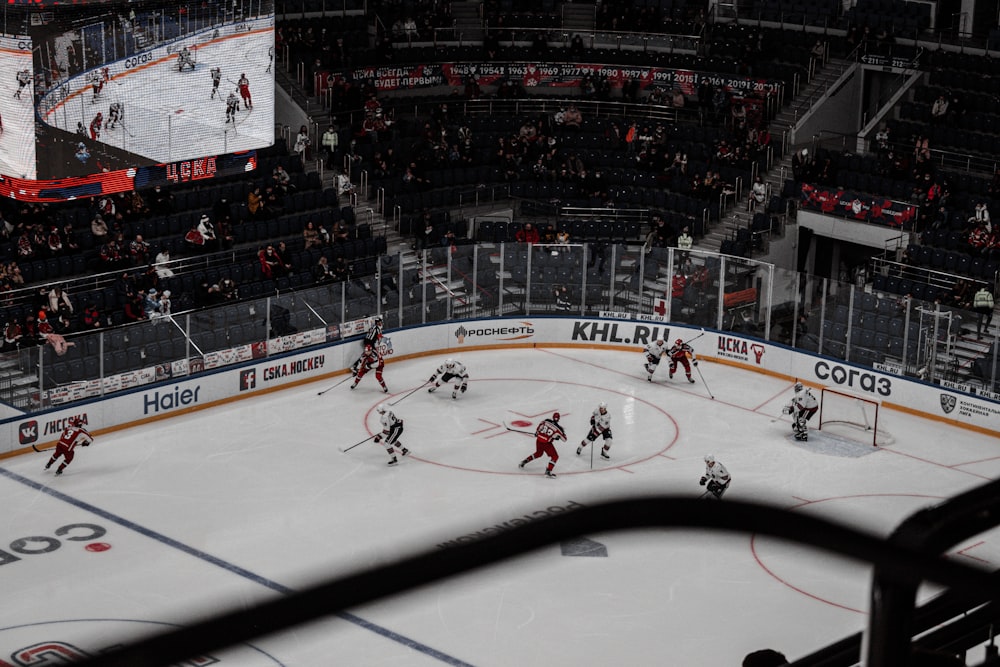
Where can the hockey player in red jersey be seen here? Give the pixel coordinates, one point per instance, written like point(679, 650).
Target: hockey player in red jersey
point(682, 353)
point(370, 358)
point(546, 434)
point(74, 434)
point(95, 126)
point(244, 85)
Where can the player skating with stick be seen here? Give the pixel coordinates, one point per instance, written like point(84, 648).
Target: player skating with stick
point(600, 425)
point(654, 352)
point(392, 430)
point(116, 114)
point(546, 434)
point(802, 406)
point(716, 477)
point(74, 434)
point(216, 80)
point(370, 358)
point(23, 79)
point(683, 354)
point(244, 85)
point(448, 371)
point(184, 59)
point(232, 105)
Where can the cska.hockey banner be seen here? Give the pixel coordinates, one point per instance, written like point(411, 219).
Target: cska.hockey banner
point(554, 75)
point(858, 206)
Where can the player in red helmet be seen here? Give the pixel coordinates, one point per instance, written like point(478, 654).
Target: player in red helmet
point(682, 353)
point(74, 434)
point(370, 358)
point(546, 434)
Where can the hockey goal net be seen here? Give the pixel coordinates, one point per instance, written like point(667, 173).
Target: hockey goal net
point(852, 416)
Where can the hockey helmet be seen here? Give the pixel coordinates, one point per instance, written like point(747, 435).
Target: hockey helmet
point(603, 407)
point(555, 416)
point(679, 341)
point(381, 409)
point(378, 319)
point(660, 342)
point(709, 459)
point(798, 387)
point(449, 363)
point(74, 421)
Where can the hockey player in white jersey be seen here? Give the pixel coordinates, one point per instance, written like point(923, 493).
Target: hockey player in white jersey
point(654, 352)
point(23, 79)
point(802, 407)
point(448, 371)
point(232, 106)
point(716, 477)
point(600, 425)
point(116, 114)
point(392, 430)
point(216, 80)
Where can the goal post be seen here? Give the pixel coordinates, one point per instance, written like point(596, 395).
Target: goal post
point(852, 416)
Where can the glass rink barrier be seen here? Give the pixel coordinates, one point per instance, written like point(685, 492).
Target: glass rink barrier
point(897, 334)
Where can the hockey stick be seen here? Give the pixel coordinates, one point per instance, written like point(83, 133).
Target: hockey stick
point(704, 383)
point(691, 340)
point(347, 449)
point(592, 445)
point(408, 394)
point(126, 130)
point(507, 426)
point(334, 386)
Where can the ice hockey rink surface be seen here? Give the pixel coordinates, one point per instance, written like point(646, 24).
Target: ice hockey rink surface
point(156, 526)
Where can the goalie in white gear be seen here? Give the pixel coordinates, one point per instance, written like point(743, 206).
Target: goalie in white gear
point(716, 477)
point(392, 429)
point(184, 59)
point(654, 351)
point(448, 371)
point(600, 425)
point(802, 407)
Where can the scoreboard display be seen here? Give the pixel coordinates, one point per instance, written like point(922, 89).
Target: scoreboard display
point(104, 96)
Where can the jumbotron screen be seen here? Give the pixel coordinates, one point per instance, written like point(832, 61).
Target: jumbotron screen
point(108, 96)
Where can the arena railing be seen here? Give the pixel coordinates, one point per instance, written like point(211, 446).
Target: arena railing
point(899, 566)
point(900, 335)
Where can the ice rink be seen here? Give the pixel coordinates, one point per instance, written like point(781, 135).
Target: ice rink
point(171, 115)
point(158, 525)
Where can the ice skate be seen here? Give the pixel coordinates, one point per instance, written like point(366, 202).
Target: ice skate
point(522, 463)
point(59, 471)
point(431, 390)
point(393, 461)
point(550, 474)
point(404, 451)
point(579, 450)
point(690, 379)
point(604, 455)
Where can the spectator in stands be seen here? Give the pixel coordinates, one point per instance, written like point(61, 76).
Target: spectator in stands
point(658, 234)
point(208, 232)
point(527, 234)
point(161, 201)
point(310, 236)
point(111, 255)
point(340, 233)
point(330, 143)
point(138, 251)
point(572, 118)
point(59, 301)
point(135, 308)
point(341, 269)
point(150, 304)
point(685, 241)
point(13, 335)
point(228, 290)
point(194, 241)
point(272, 264)
point(99, 229)
point(425, 237)
point(322, 273)
point(162, 262)
point(11, 272)
point(958, 296)
point(282, 179)
point(255, 202)
point(818, 50)
point(302, 142)
point(983, 304)
point(758, 193)
point(54, 242)
point(981, 217)
point(69, 237)
point(91, 317)
point(206, 294)
point(166, 305)
point(939, 110)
